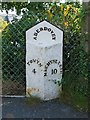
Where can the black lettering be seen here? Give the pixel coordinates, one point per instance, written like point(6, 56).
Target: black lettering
point(37, 30)
point(37, 61)
point(55, 61)
point(35, 38)
point(45, 70)
point(46, 67)
point(34, 60)
point(45, 74)
point(54, 71)
point(54, 38)
point(49, 29)
point(28, 63)
point(52, 31)
point(53, 35)
point(40, 65)
point(31, 61)
point(45, 28)
point(60, 65)
point(34, 71)
point(59, 62)
point(48, 63)
point(35, 34)
point(41, 29)
point(51, 61)
point(61, 71)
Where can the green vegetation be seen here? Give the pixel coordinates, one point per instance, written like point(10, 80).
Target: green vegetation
point(75, 93)
point(77, 100)
point(3, 24)
point(31, 100)
point(69, 16)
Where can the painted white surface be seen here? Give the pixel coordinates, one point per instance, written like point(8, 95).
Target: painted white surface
point(44, 61)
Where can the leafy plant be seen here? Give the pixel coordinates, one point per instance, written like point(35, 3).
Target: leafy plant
point(32, 100)
point(69, 17)
point(3, 24)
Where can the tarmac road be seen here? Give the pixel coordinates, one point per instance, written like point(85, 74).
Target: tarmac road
point(17, 108)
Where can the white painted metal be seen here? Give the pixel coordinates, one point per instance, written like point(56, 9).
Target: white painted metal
point(44, 43)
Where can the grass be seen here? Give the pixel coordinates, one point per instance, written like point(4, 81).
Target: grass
point(78, 101)
point(71, 96)
point(32, 100)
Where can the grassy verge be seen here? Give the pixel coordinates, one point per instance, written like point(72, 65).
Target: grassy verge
point(77, 100)
point(33, 100)
point(73, 93)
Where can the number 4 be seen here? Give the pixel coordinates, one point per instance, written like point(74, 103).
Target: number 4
point(34, 71)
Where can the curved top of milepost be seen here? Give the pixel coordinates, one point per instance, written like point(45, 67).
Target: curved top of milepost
point(44, 34)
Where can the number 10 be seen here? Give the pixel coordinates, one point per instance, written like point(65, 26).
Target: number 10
point(54, 71)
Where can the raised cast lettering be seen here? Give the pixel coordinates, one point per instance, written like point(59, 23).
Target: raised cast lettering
point(44, 29)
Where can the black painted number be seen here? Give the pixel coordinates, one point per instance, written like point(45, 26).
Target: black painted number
point(54, 71)
point(34, 71)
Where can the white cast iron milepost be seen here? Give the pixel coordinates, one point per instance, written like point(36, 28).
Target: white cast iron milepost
point(44, 50)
